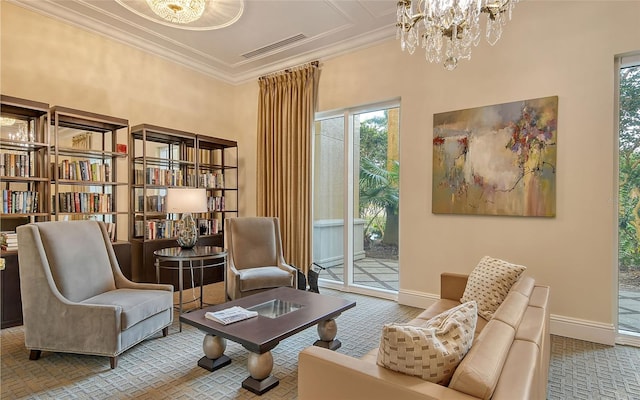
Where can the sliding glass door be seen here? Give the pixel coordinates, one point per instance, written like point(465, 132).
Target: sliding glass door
point(356, 198)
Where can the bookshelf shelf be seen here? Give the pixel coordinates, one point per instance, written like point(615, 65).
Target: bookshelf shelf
point(33, 136)
point(24, 153)
point(163, 158)
point(87, 173)
point(24, 160)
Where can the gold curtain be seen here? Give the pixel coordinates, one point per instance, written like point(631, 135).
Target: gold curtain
point(286, 107)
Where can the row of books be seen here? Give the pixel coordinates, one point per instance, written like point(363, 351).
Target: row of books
point(209, 226)
point(16, 165)
point(84, 170)
point(168, 228)
point(156, 229)
point(154, 203)
point(215, 203)
point(211, 180)
point(9, 241)
point(19, 202)
point(164, 177)
point(74, 202)
point(157, 203)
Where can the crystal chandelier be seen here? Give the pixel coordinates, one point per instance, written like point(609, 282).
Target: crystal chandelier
point(447, 29)
point(178, 11)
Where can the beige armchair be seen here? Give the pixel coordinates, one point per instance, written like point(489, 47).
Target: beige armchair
point(75, 299)
point(255, 261)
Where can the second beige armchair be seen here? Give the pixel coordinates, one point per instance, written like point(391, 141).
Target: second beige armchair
point(255, 257)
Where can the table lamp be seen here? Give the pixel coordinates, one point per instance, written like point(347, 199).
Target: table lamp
point(187, 201)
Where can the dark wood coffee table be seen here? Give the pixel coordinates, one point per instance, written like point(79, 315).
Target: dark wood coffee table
point(262, 333)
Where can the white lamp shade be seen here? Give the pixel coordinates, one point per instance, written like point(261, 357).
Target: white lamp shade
point(186, 200)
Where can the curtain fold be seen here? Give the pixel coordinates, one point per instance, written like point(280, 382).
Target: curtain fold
point(286, 107)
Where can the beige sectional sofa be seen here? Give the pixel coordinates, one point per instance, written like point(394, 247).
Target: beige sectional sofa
point(509, 358)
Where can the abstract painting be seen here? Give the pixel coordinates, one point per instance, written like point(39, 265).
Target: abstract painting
point(496, 160)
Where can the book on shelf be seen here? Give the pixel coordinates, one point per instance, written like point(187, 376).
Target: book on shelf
point(111, 230)
point(9, 241)
point(230, 315)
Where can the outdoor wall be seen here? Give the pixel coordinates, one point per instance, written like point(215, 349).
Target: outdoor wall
point(549, 48)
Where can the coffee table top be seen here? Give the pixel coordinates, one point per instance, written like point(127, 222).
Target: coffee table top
point(261, 334)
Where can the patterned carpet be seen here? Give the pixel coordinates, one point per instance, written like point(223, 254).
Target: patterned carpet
point(165, 368)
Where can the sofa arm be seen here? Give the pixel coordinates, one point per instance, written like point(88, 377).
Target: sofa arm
point(452, 285)
point(325, 374)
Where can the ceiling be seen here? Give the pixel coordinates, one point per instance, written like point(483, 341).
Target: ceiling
point(269, 36)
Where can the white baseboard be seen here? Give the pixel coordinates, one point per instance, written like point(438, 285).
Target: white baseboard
point(560, 325)
point(590, 331)
point(416, 299)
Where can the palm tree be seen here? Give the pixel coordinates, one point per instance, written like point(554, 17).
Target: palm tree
point(379, 198)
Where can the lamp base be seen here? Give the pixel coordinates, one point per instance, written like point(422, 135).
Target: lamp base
point(188, 232)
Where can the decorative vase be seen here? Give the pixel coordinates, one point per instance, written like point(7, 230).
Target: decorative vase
point(188, 232)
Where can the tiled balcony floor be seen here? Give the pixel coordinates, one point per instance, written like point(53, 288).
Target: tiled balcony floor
point(373, 272)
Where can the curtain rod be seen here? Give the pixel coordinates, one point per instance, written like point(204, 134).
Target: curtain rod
point(288, 70)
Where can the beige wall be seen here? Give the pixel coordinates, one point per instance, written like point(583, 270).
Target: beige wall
point(566, 50)
point(46, 60)
point(550, 48)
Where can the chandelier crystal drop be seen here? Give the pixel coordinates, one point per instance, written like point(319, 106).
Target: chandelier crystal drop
point(6, 121)
point(178, 11)
point(448, 29)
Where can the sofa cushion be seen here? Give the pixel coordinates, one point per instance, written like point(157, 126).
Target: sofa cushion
point(517, 380)
point(489, 283)
point(512, 309)
point(431, 351)
point(479, 372)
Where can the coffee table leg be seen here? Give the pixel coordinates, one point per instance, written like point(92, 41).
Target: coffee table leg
point(214, 358)
point(327, 331)
point(261, 380)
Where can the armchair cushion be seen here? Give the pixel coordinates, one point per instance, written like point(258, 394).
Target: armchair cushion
point(258, 239)
point(137, 305)
point(75, 254)
point(263, 278)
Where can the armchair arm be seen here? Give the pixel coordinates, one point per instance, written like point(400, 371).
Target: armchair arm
point(293, 271)
point(127, 284)
point(452, 285)
point(232, 280)
point(60, 324)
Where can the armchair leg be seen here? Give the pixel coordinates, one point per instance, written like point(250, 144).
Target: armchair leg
point(34, 354)
point(165, 331)
point(113, 361)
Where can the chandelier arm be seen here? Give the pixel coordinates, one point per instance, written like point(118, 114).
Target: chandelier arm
point(457, 24)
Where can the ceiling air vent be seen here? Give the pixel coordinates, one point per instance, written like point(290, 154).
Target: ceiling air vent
point(274, 46)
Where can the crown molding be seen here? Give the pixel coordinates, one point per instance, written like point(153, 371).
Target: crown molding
point(49, 8)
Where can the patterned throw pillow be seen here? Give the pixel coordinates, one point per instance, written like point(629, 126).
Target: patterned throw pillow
point(489, 283)
point(431, 351)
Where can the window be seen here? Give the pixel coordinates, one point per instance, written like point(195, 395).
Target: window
point(629, 195)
